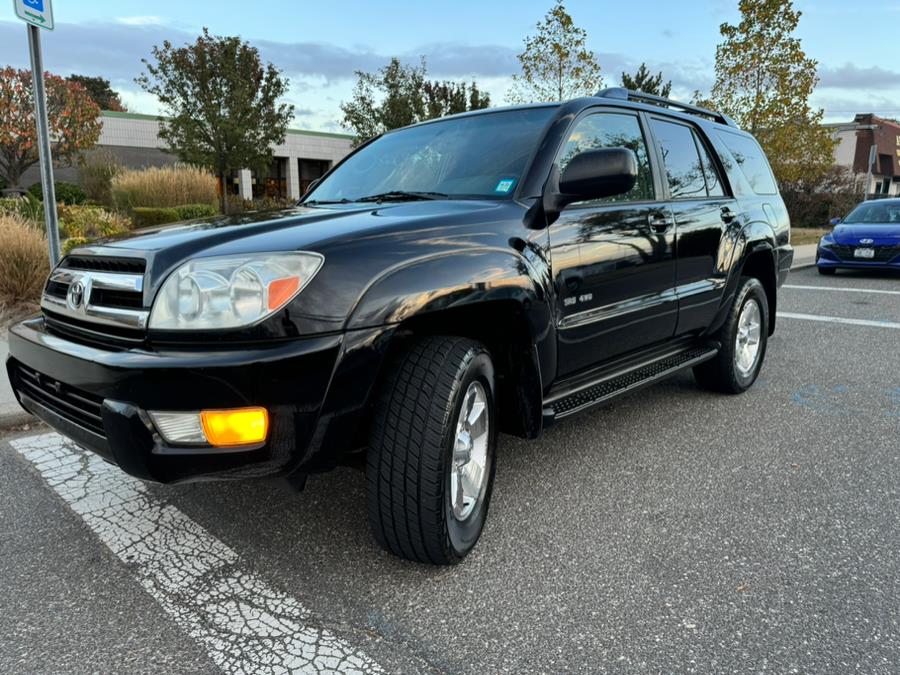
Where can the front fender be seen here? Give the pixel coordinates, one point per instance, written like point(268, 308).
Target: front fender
point(454, 280)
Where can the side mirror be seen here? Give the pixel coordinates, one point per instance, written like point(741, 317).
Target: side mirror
point(594, 174)
point(835, 221)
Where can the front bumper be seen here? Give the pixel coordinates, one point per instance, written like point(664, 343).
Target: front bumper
point(315, 390)
point(825, 257)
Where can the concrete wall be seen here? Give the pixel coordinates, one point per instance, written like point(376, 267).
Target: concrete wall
point(134, 141)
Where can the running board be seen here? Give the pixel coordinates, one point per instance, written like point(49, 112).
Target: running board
point(621, 382)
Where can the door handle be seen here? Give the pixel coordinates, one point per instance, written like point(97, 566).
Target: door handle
point(659, 222)
point(728, 215)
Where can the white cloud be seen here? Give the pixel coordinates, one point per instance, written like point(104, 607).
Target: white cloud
point(145, 20)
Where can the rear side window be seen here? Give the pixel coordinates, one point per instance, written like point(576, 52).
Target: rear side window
point(684, 170)
point(612, 130)
point(750, 158)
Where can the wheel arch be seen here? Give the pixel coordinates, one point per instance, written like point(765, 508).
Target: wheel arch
point(493, 296)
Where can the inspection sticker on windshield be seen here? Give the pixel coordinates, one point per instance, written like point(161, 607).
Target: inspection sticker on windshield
point(505, 185)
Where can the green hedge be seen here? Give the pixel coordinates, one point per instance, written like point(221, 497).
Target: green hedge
point(66, 193)
point(191, 211)
point(148, 216)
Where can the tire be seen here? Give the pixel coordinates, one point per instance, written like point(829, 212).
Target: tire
point(731, 371)
point(414, 449)
point(827, 271)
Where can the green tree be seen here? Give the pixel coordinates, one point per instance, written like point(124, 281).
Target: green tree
point(100, 91)
point(73, 117)
point(556, 64)
point(764, 81)
point(398, 95)
point(221, 101)
point(448, 98)
point(643, 80)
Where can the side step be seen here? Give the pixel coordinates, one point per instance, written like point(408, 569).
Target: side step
point(617, 383)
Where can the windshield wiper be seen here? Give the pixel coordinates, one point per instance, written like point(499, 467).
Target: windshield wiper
point(401, 195)
point(325, 201)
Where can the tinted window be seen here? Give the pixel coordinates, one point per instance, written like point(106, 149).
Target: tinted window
point(682, 161)
point(749, 156)
point(478, 156)
point(713, 183)
point(612, 130)
point(875, 213)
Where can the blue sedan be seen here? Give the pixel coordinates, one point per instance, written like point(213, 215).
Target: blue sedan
point(868, 238)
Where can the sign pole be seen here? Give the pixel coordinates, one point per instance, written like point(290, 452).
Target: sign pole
point(43, 137)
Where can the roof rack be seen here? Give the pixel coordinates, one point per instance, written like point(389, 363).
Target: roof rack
point(623, 94)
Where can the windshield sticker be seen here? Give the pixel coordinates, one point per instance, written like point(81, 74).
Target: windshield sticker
point(505, 185)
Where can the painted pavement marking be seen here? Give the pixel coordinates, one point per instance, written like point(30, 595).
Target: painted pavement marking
point(245, 625)
point(838, 319)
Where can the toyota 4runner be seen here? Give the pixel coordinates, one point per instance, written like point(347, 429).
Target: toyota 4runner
point(493, 271)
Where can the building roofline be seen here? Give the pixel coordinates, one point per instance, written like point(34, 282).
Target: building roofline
point(158, 118)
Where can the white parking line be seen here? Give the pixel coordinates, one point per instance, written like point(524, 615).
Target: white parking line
point(842, 289)
point(245, 625)
point(838, 319)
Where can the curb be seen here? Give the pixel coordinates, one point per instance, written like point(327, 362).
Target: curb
point(16, 419)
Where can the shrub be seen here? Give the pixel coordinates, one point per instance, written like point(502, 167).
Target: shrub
point(814, 204)
point(91, 222)
point(163, 187)
point(66, 193)
point(191, 211)
point(27, 208)
point(96, 173)
point(24, 261)
point(148, 216)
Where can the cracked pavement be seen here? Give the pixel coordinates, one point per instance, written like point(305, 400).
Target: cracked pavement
point(673, 530)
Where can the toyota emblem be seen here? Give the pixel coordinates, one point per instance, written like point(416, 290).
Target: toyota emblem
point(75, 296)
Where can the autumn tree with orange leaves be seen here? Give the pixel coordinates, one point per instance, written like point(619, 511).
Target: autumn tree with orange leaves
point(73, 116)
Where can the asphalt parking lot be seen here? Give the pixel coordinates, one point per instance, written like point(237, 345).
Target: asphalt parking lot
point(674, 530)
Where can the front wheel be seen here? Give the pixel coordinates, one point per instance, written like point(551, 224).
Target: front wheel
point(744, 337)
point(826, 270)
point(430, 465)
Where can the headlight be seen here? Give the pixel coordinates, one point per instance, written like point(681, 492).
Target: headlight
point(231, 291)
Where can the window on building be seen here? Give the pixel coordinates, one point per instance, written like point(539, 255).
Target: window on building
point(310, 170)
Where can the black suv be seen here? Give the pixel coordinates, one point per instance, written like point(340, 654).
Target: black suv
point(492, 271)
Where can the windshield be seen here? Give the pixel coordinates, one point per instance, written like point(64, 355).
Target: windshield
point(875, 213)
point(476, 156)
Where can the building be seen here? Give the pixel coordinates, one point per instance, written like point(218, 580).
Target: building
point(854, 144)
point(134, 142)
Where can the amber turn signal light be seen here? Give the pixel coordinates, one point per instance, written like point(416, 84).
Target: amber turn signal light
point(239, 426)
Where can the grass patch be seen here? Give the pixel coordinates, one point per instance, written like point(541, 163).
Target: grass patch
point(807, 235)
point(24, 265)
point(162, 187)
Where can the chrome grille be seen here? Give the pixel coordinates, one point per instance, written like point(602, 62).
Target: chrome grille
point(86, 291)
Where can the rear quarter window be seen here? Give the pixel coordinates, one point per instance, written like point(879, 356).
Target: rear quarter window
point(752, 162)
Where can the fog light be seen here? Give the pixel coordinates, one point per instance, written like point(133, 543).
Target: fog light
point(179, 428)
point(241, 426)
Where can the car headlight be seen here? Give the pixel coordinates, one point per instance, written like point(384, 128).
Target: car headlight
point(231, 291)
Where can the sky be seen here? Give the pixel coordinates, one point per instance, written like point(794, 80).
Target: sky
point(319, 45)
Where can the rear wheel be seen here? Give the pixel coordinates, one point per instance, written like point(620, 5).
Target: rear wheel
point(430, 465)
point(744, 338)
